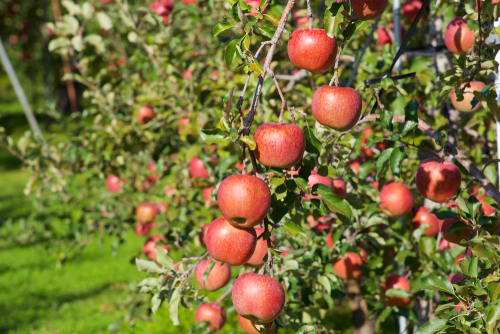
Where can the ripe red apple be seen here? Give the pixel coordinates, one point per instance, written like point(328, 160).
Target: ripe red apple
point(368, 151)
point(445, 244)
point(142, 229)
point(188, 74)
point(300, 18)
point(219, 276)
point(197, 168)
point(207, 194)
point(321, 221)
point(336, 107)
point(105, 1)
point(461, 257)
point(163, 8)
point(146, 212)
point(315, 178)
point(244, 200)
point(348, 266)
point(203, 235)
point(457, 278)
point(149, 248)
point(438, 180)
point(169, 191)
point(312, 50)
point(411, 8)
point(445, 225)
point(339, 188)
point(423, 217)
point(458, 37)
point(260, 250)
point(213, 313)
point(113, 183)
point(397, 200)
point(487, 209)
point(279, 145)
point(368, 9)
point(387, 37)
point(189, 2)
point(255, 6)
point(258, 298)
point(229, 244)
point(465, 105)
point(249, 327)
point(396, 282)
point(354, 164)
point(145, 114)
point(162, 207)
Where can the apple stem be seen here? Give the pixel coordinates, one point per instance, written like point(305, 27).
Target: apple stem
point(377, 96)
point(310, 14)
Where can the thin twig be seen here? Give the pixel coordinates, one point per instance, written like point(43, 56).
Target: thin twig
point(224, 295)
point(487, 163)
point(478, 64)
point(335, 78)
point(310, 14)
point(283, 101)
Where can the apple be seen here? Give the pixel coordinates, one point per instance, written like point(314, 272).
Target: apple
point(169, 191)
point(438, 180)
point(188, 74)
point(423, 217)
point(142, 229)
point(255, 6)
point(163, 8)
point(368, 9)
point(386, 37)
point(457, 278)
point(279, 145)
point(149, 248)
point(229, 244)
point(445, 225)
point(336, 107)
point(300, 18)
point(207, 194)
point(189, 2)
point(461, 257)
point(348, 266)
point(244, 200)
point(162, 207)
point(458, 37)
point(395, 282)
point(260, 250)
point(312, 50)
point(321, 220)
point(445, 244)
point(249, 327)
point(397, 200)
point(218, 277)
point(487, 209)
point(203, 235)
point(113, 183)
point(368, 151)
point(411, 9)
point(197, 169)
point(339, 187)
point(105, 1)
point(146, 212)
point(465, 105)
point(315, 178)
point(145, 114)
point(258, 298)
point(213, 313)
point(354, 164)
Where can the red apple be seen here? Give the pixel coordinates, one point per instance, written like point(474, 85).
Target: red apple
point(438, 180)
point(387, 37)
point(465, 105)
point(229, 244)
point(368, 9)
point(149, 248)
point(189, 2)
point(423, 217)
point(336, 107)
point(312, 50)
point(368, 151)
point(249, 327)
point(169, 191)
point(300, 18)
point(258, 298)
point(321, 220)
point(458, 37)
point(255, 6)
point(485, 207)
point(457, 278)
point(145, 114)
point(315, 178)
point(207, 194)
point(461, 257)
point(396, 282)
point(188, 74)
point(105, 1)
point(445, 225)
point(146, 212)
point(197, 169)
point(203, 235)
point(260, 250)
point(339, 188)
point(162, 8)
point(445, 244)
point(244, 200)
point(219, 276)
point(162, 207)
point(113, 183)
point(142, 229)
point(411, 9)
point(213, 313)
point(397, 200)
point(348, 267)
point(279, 145)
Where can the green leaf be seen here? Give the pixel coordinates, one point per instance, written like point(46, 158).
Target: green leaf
point(396, 159)
point(293, 229)
point(216, 136)
point(305, 329)
point(313, 145)
point(231, 51)
point(302, 184)
point(382, 158)
point(333, 202)
point(446, 213)
point(249, 141)
point(442, 308)
point(332, 19)
point(473, 205)
point(432, 327)
point(427, 246)
point(221, 27)
point(273, 19)
point(174, 307)
point(399, 293)
point(325, 282)
point(163, 258)
point(373, 140)
point(327, 171)
point(493, 318)
point(411, 116)
point(267, 30)
point(148, 266)
point(276, 181)
point(255, 66)
point(473, 267)
point(436, 283)
point(493, 291)
point(386, 119)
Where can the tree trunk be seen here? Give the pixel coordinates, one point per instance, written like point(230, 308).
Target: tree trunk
point(362, 324)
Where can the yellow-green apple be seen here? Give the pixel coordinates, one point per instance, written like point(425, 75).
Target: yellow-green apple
point(368, 9)
point(149, 248)
point(219, 276)
point(260, 250)
point(336, 107)
point(410, 9)
point(279, 145)
point(229, 244)
point(458, 37)
point(213, 313)
point(244, 200)
point(423, 217)
point(146, 212)
point(438, 180)
point(465, 105)
point(249, 327)
point(145, 114)
point(113, 183)
point(312, 50)
point(395, 282)
point(397, 200)
point(258, 298)
point(347, 267)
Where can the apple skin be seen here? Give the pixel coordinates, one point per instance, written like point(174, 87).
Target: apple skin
point(396, 282)
point(465, 105)
point(203, 235)
point(445, 225)
point(105, 1)
point(300, 18)
point(142, 229)
point(229, 244)
point(487, 209)
point(255, 6)
point(149, 248)
point(113, 183)
point(368, 151)
point(260, 250)
point(385, 38)
point(189, 2)
point(339, 188)
point(336, 107)
point(315, 178)
point(258, 298)
point(348, 267)
point(445, 244)
point(397, 200)
point(207, 194)
point(461, 257)
point(146, 212)
point(213, 313)
point(321, 221)
point(457, 278)
point(219, 276)
point(423, 217)
point(244, 200)
point(368, 9)
point(249, 327)
point(438, 181)
point(312, 50)
point(410, 9)
point(458, 37)
point(145, 114)
point(197, 168)
point(279, 145)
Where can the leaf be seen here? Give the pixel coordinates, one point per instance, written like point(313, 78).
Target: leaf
point(334, 202)
point(325, 282)
point(216, 136)
point(327, 171)
point(427, 246)
point(163, 258)
point(473, 267)
point(208, 269)
point(273, 19)
point(72, 8)
point(293, 229)
point(382, 158)
point(148, 266)
point(302, 184)
point(173, 311)
point(442, 308)
point(493, 291)
point(313, 145)
point(332, 19)
point(249, 141)
point(255, 66)
point(432, 327)
point(104, 21)
point(77, 43)
point(493, 318)
point(87, 10)
point(397, 157)
point(276, 181)
point(305, 329)
point(373, 140)
point(221, 27)
point(399, 293)
point(411, 116)
point(386, 118)
point(436, 283)
point(446, 213)
point(230, 52)
point(473, 205)
point(156, 301)
point(267, 30)
point(58, 43)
